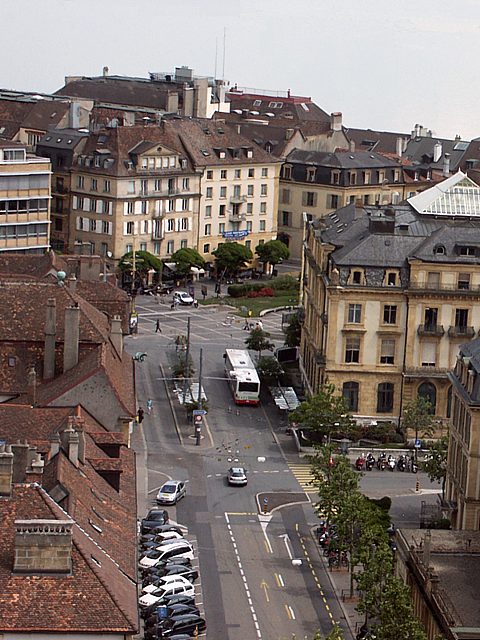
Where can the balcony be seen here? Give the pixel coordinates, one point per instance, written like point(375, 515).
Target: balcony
point(432, 330)
point(236, 217)
point(461, 332)
point(158, 235)
point(459, 287)
point(426, 371)
point(238, 199)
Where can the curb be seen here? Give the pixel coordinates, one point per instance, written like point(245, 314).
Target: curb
point(274, 309)
point(169, 397)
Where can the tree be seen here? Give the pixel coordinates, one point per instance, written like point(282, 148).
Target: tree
point(417, 416)
point(144, 261)
point(258, 341)
point(435, 465)
point(324, 414)
point(293, 332)
point(185, 259)
point(269, 367)
point(335, 634)
point(272, 252)
point(396, 617)
point(230, 257)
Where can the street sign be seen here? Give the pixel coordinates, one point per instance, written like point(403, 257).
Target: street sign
point(265, 500)
point(418, 444)
point(199, 412)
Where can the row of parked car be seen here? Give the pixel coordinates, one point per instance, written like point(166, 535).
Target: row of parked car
point(168, 576)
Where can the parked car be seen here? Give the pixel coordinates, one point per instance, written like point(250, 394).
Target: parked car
point(236, 476)
point(174, 610)
point(152, 558)
point(186, 572)
point(162, 528)
point(171, 492)
point(182, 624)
point(168, 601)
point(154, 518)
point(177, 587)
point(182, 297)
point(156, 570)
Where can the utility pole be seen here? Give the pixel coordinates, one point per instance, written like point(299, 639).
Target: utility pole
point(187, 364)
point(198, 428)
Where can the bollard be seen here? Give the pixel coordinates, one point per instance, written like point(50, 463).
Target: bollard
point(417, 485)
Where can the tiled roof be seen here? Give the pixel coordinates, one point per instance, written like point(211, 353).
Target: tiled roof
point(97, 597)
point(294, 109)
point(12, 113)
point(32, 265)
point(341, 159)
point(34, 425)
point(45, 114)
point(369, 140)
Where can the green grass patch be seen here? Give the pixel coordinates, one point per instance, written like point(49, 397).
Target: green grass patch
point(286, 299)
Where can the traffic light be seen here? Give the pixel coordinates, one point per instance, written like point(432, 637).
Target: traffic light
point(197, 420)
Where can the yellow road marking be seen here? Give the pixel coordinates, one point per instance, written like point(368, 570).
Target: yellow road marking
point(289, 613)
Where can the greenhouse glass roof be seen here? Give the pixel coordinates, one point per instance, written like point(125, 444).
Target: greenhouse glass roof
point(455, 196)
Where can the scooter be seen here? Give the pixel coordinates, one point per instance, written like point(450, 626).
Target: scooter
point(401, 463)
point(360, 463)
point(382, 462)
point(370, 462)
point(392, 463)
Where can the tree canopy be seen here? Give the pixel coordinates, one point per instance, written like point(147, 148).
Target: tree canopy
point(435, 464)
point(293, 332)
point(324, 414)
point(258, 341)
point(230, 257)
point(272, 252)
point(269, 367)
point(185, 259)
point(417, 416)
point(144, 261)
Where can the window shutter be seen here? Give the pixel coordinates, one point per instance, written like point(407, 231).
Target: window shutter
point(190, 225)
point(75, 202)
point(86, 204)
point(304, 198)
point(138, 207)
point(429, 350)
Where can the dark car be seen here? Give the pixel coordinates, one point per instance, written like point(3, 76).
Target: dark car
point(162, 528)
point(174, 610)
point(185, 562)
point(154, 518)
point(167, 602)
point(188, 623)
point(170, 570)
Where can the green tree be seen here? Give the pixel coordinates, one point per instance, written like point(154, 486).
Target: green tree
point(230, 257)
point(293, 332)
point(258, 341)
point(435, 464)
point(185, 259)
point(324, 414)
point(335, 634)
point(396, 617)
point(418, 417)
point(268, 367)
point(272, 252)
point(144, 261)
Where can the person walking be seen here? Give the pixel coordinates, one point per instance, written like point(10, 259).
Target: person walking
point(140, 415)
point(157, 326)
point(149, 406)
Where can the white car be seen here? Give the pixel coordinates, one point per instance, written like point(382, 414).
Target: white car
point(237, 477)
point(172, 588)
point(182, 297)
point(171, 492)
point(152, 558)
point(174, 578)
point(168, 535)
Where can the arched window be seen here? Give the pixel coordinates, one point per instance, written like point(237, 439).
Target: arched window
point(428, 391)
point(385, 397)
point(439, 250)
point(350, 393)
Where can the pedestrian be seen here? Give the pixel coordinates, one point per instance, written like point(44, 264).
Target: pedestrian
point(140, 416)
point(149, 406)
point(157, 326)
point(195, 303)
point(204, 291)
point(259, 325)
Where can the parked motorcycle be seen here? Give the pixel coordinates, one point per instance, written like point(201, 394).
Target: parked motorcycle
point(360, 463)
point(401, 464)
point(370, 462)
point(392, 463)
point(382, 462)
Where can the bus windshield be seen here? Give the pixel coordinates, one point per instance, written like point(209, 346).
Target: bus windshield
point(248, 386)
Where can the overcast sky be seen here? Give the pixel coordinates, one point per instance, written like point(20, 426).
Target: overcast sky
point(385, 64)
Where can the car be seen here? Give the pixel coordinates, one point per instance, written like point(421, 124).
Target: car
point(177, 587)
point(165, 527)
point(237, 476)
point(188, 623)
point(174, 610)
point(156, 570)
point(171, 492)
point(168, 601)
point(154, 518)
point(186, 572)
point(182, 297)
point(169, 541)
point(152, 558)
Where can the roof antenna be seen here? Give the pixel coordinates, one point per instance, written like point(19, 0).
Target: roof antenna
point(216, 56)
point(224, 41)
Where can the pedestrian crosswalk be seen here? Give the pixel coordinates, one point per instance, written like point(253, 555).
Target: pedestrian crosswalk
point(303, 474)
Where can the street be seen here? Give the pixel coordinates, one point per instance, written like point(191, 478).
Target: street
point(250, 586)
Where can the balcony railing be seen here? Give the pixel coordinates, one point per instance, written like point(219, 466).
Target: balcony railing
point(236, 217)
point(463, 286)
point(436, 330)
point(238, 199)
point(158, 235)
point(461, 332)
point(430, 371)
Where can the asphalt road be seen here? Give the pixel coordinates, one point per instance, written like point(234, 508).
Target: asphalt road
point(250, 587)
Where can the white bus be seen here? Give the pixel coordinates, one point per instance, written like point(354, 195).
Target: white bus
point(242, 376)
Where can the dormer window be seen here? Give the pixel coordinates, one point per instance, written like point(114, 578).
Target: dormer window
point(356, 276)
point(311, 173)
point(335, 177)
point(466, 251)
point(249, 153)
point(221, 154)
point(14, 155)
point(439, 250)
point(287, 172)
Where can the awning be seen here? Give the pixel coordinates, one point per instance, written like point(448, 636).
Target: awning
point(285, 398)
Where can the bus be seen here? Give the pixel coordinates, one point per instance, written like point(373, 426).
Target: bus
point(242, 376)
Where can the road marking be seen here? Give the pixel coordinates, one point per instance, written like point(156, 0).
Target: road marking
point(245, 583)
point(265, 588)
point(241, 513)
point(279, 580)
point(304, 477)
point(286, 540)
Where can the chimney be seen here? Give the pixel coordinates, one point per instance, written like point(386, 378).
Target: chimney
point(72, 283)
point(289, 134)
point(22, 454)
point(446, 165)
point(105, 72)
point(72, 333)
point(351, 146)
point(116, 334)
point(245, 113)
point(239, 129)
point(336, 121)
point(43, 546)
point(54, 444)
point(399, 147)
point(6, 470)
point(35, 469)
point(70, 443)
point(437, 151)
point(50, 330)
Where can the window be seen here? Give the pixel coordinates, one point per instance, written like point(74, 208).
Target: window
point(223, 174)
point(171, 224)
point(145, 226)
point(238, 174)
point(93, 205)
point(206, 248)
point(209, 174)
point(366, 177)
point(263, 190)
point(80, 182)
point(170, 246)
point(185, 204)
point(366, 199)
point(263, 207)
point(350, 393)
point(309, 199)
point(385, 397)
point(357, 277)
point(352, 349)
point(285, 196)
point(433, 280)
point(392, 279)
point(221, 210)
point(130, 207)
point(221, 227)
point(207, 230)
point(311, 172)
point(157, 185)
point(236, 191)
point(396, 175)
point(335, 177)
point(143, 207)
point(156, 247)
point(262, 225)
point(250, 190)
point(285, 218)
point(355, 313)
point(464, 281)
point(128, 248)
point(186, 184)
point(106, 186)
point(352, 177)
point(249, 226)
point(251, 172)
point(332, 201)
point(264, 172)
point(387, 351)
point(430, 319)
point(144, 187)
point(429, 354)
point(249, 208)
point(461, 319)
point(171, 205)
point(106, 206)
point(467, 251)
point(428, 391)
point(131, 186)
point(105, 226)
point(380, 176)
point(208, 211)
point(184, 224)
point(130, 228)
point(390, 314)
point(287, 172)
point(223, 192)
point(183, 244)
point(143, 246)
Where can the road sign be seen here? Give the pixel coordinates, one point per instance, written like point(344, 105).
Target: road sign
point(265, 500)
point(199, 412)
point(197, 419)
point(418, 444)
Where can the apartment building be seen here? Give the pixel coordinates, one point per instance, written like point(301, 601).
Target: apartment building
point(24, 199)
point(390, 293)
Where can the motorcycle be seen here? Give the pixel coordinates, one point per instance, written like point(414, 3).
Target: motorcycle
point(382, 462)
point(370, 462)
point(392, 463)
point(360, 463)
point(414, 467)
point(401, 463)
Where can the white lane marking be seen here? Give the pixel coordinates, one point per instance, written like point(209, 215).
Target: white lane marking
point(245, 583)
point(286, 540)
point(292, 612)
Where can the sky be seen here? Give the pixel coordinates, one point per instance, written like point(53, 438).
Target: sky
point(384, 64)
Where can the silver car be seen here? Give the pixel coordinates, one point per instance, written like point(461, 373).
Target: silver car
point(171, 492)
point(237, 476)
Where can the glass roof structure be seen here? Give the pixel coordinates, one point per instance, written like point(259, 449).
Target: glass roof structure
point(457, 196)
